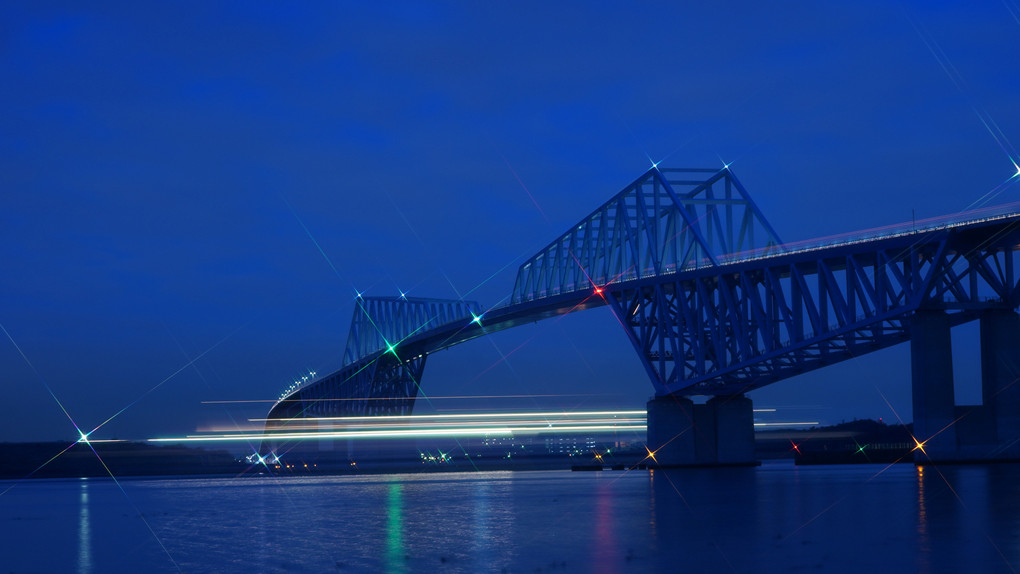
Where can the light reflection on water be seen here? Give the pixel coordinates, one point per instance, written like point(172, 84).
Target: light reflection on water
point(923, 542)
point(84, 532)
point(394, 530)
point(774, 518)
point(605, 551)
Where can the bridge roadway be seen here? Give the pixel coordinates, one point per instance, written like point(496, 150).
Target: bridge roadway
point(722, 324)
point(1003, 227)
point(994, 222)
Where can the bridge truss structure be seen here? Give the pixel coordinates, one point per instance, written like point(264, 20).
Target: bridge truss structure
point(713, 302)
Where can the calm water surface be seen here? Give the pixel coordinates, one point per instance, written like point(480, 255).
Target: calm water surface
point(776, 518)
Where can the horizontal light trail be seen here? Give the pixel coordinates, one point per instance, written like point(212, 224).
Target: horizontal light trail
point(504, 424)
point(564, 414)
point(300, 426)
point(403, 399)
point(426, 433)
point(515, 428)
point(514, 422)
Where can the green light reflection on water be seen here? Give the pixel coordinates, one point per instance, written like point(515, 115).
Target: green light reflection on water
point(395, 529)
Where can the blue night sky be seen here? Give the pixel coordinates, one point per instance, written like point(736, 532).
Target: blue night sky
point(175, 176)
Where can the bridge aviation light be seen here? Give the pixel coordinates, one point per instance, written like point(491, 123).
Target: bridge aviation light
point(477, 318)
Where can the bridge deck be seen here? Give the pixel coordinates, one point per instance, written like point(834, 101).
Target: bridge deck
point(998, 227)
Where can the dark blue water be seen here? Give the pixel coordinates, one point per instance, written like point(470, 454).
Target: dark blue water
point(776, 518)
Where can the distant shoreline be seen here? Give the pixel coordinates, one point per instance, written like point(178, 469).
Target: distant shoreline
point(128, 459)
point(143, 460)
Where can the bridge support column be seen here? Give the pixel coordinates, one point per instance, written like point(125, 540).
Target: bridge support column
point(734, 419)
point(671, 431)
point(1000, 387)
point(719, 432)
point(931, 366)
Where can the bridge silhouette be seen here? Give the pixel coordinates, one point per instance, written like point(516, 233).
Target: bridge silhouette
point(716, 305)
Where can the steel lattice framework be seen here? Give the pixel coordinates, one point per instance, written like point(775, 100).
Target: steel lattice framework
point(665, 221)
point(714, 304)
point(381, 322)
point(734, 328)
point(377, 378)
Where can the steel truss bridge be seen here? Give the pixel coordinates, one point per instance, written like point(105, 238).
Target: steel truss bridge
point(713, 301)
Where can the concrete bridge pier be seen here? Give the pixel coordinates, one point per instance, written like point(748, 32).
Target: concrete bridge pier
point(966, 433)
point(1000, 380)
point(931, 366)
point(717, 433)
